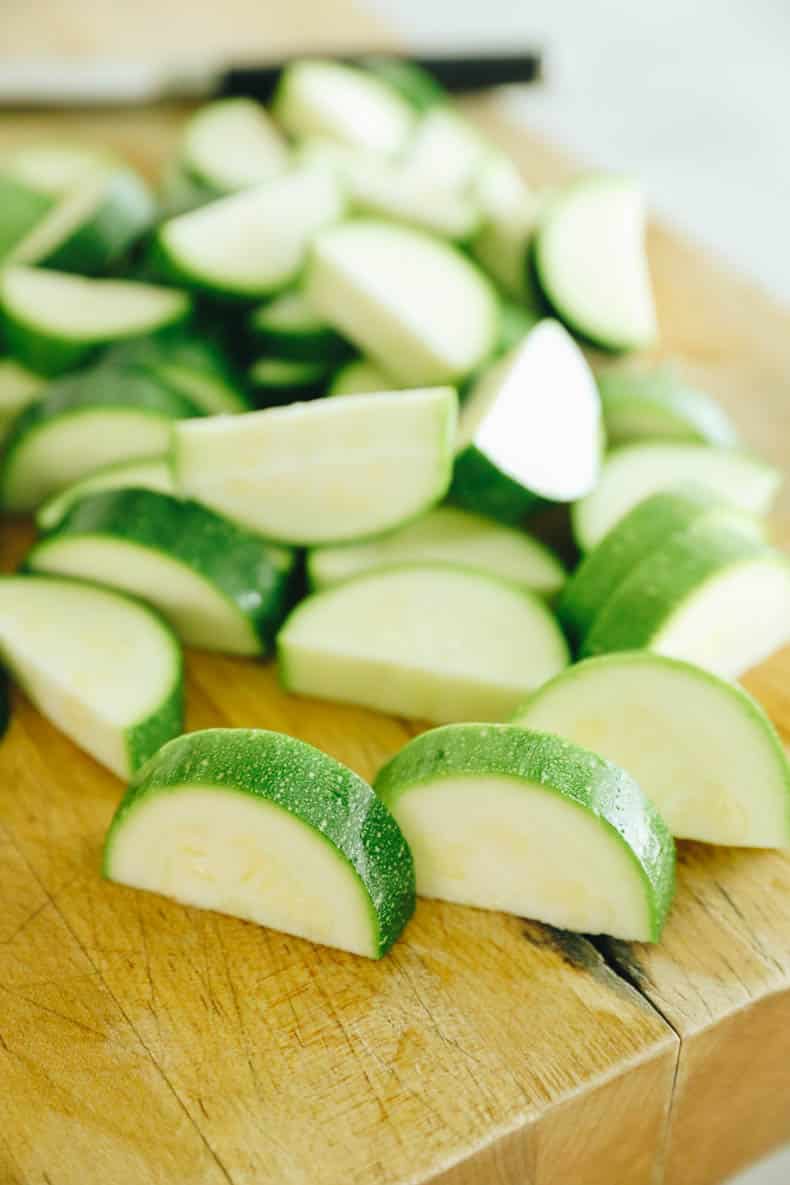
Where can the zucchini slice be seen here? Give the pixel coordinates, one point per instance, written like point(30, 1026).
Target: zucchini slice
point(633, 471)
point(18, 387)
point(414, 84)
point(250, 243)
point(289, 327)
point(656, 404)
point(326, 471)
point(80, 424)
point(220, 587)
point(267, 828)
point(530, 429)
point(503, 818)
point(192, 364)
point(647, 526)
point(592, 265)
point(445, 535)
point(413, 304)
point(360, 377)
point(710, 595)
point(232, 144)
point(92, 225)
point(325, 98)
point(146, 474)
point(429, 641)
point(275, 381)
point(53, 321)
point(105, 669)
point(21, 208)
point(445, 151)
point(703, 751)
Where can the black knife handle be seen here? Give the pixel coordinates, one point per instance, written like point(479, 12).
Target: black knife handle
point(455, 73)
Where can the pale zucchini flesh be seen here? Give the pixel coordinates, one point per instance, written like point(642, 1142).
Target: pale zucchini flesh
point(189, 361)
point(411, 303)
point(325, 98)
point(18, 387)
point(445, 535)
point(592, 265)
point(265, 827)
point(372, 462)
point(428, 641)
point(703, 751)
point(656, 404)
point(251, 243)
point(530, 429)
point(360, 377)
point(220, 587)
point(105, 669)
point(232, 144)
point(503, 818)
point(633, 471)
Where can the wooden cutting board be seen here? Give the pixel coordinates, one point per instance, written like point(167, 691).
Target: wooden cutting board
point(142, 1043)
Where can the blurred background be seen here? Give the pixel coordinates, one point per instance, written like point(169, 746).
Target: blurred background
point(693, 98)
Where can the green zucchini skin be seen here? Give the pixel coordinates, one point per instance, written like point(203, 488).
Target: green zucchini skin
point(319, 343)
point(419, 88)
point(599, 786)
point(481, 486)
point(148, 737)
point(256, 577)
point(311, 786)
point(173, 356)
point(632, 616)
point(651, 523)
point(21, 207)
point(51, 353)
point(124, 213)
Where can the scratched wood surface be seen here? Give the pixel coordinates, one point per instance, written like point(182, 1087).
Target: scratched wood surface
point(144, 1042)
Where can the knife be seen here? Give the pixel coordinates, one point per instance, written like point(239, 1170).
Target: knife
point(103, 82)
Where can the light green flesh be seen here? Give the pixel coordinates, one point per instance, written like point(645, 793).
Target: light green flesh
point(323, 98)
point(536, 416)
point(445, 152)
point(445, 535)
point(591, 259)
point(232, 144)
point(503, 843)
point(56, 168)
point(413, 304)
point(87, 310)
point(253, 242)
point(374, 462)
point(286, 372)
point(140, 475)
point(360, 377)
point(510, 219)
point(701, 749)
point(386, 190)
point(70, 447)
point(66, 643)
point(291, 313)
point(426, 641)
point(18, 387)
point(227, 850)
point(208, 391)
point(656, 404)
point(197, 611)
point(633, 472)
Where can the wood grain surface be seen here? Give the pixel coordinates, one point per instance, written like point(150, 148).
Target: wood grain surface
point(141, 1041)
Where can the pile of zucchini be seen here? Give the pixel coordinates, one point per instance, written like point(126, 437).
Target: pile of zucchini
point(306, 397)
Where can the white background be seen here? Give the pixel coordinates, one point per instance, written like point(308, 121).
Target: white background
point(691, 95)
